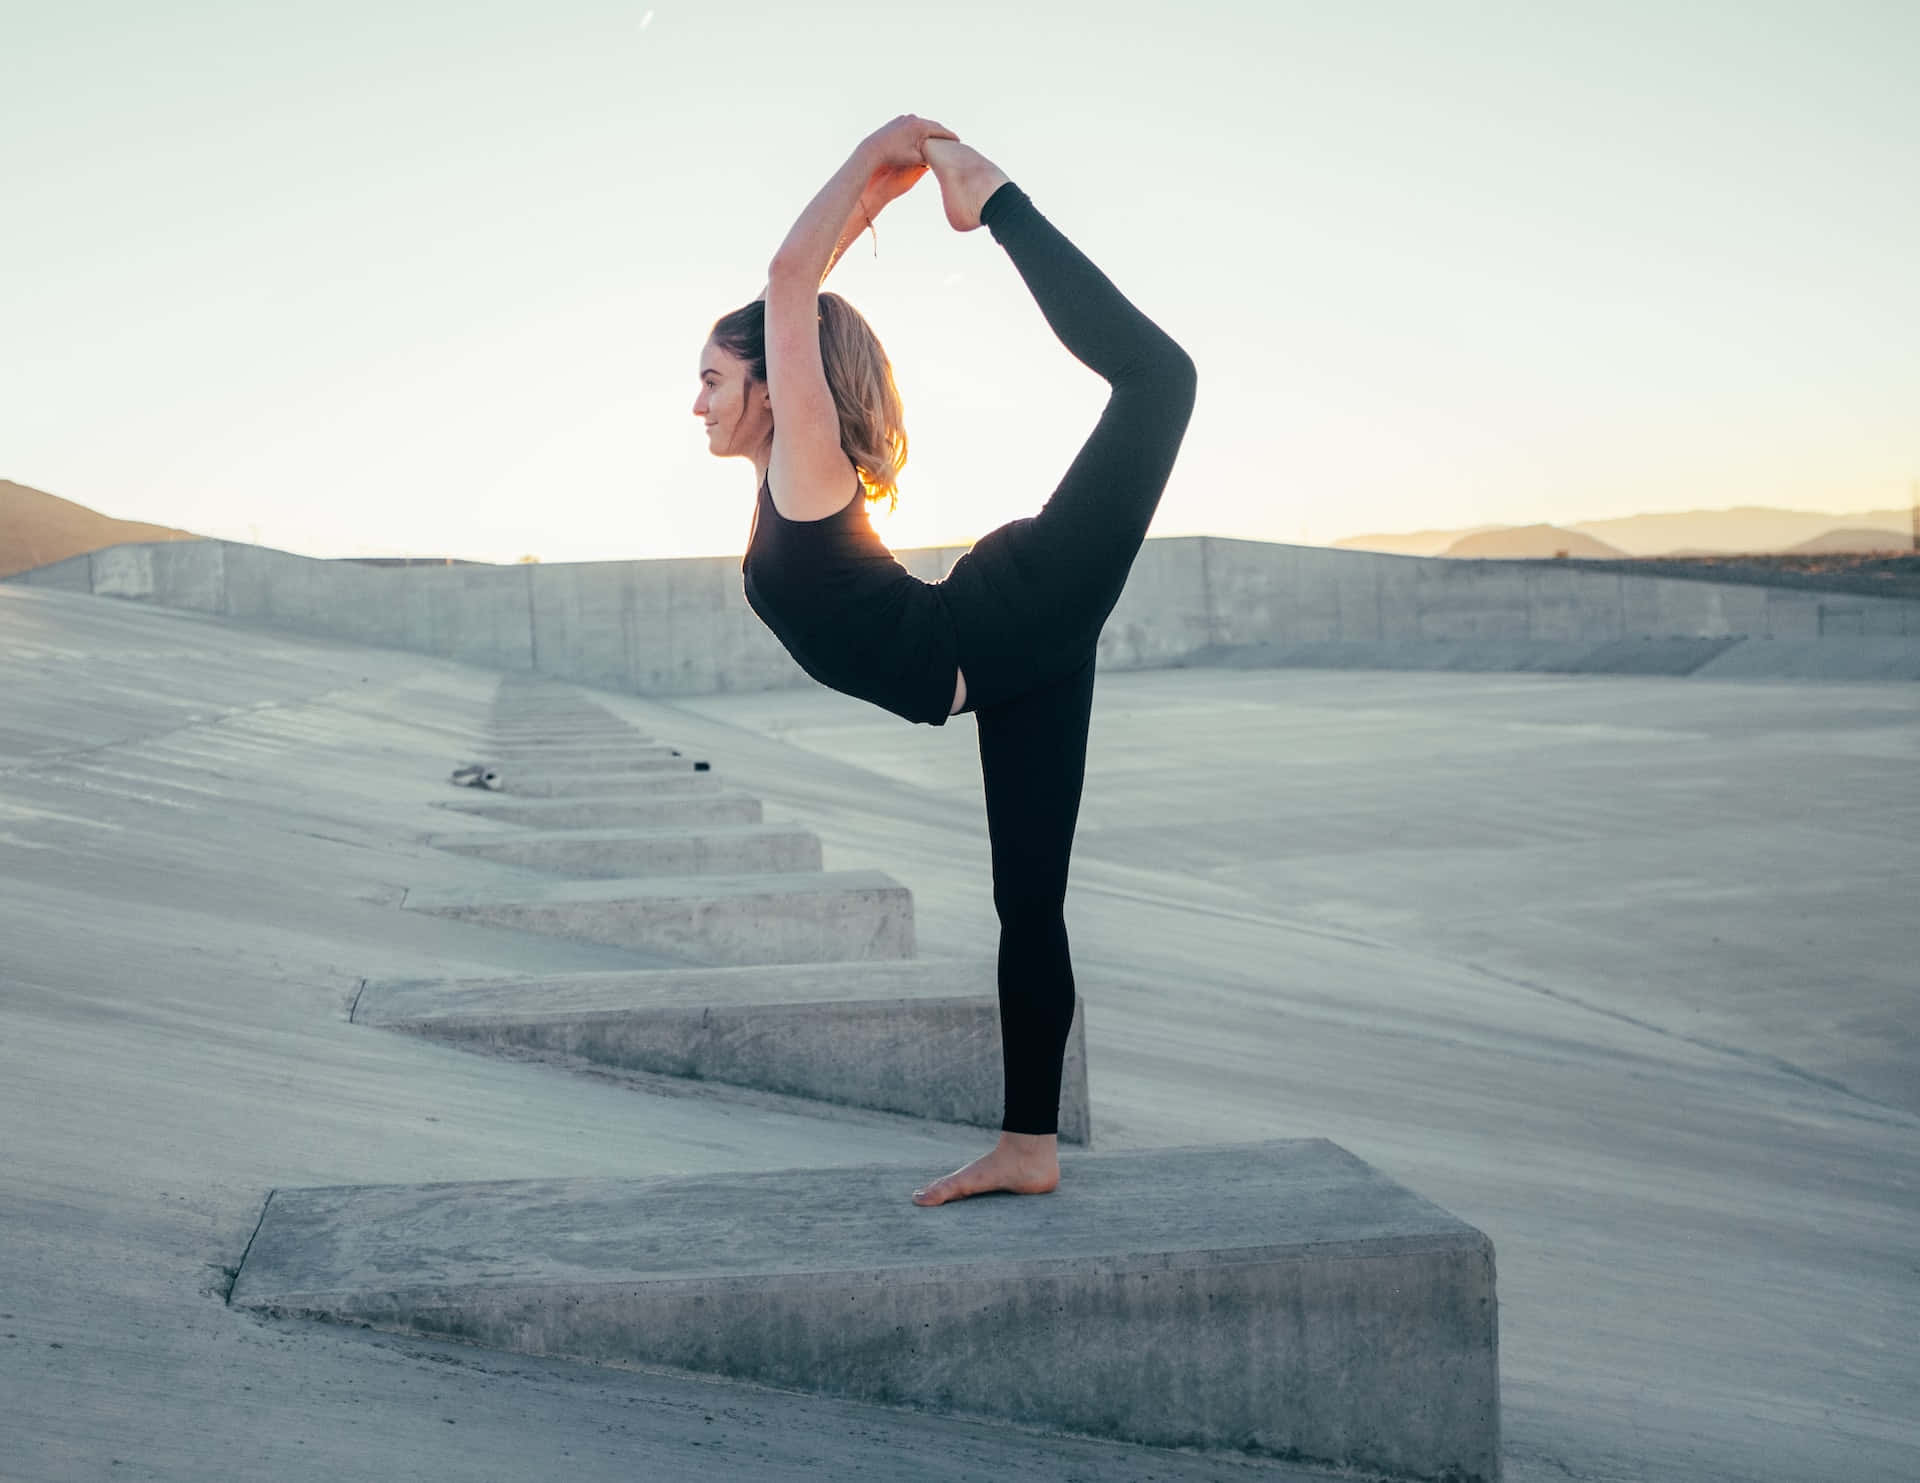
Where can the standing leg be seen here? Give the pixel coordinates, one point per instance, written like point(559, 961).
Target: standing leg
point(1033, 760)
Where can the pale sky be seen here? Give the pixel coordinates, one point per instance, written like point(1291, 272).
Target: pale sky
point(374, 276)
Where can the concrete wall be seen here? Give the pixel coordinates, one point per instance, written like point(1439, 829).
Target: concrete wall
point(683, 627)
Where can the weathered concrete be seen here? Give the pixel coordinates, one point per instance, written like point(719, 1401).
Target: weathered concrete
point(1618, 970)
point(1639, 656)
point(548, 730)
point(653, 783)
point(744, 849)
point(680, 628)
point(834, 916)
point(1866, 657)
point(593, 757)
point(695, 811)
point(920, 1037)
point(1279, 1297)
point(602, 763)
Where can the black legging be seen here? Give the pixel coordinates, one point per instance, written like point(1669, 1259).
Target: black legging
point(1029, 601)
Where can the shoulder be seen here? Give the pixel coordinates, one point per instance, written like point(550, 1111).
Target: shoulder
point(807, 494)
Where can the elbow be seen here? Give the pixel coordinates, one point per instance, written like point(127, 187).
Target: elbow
point(783, 271)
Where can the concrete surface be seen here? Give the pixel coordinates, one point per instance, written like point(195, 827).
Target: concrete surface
point(1281, 1298)
point(728, 806)
point(1618, 970)
point(683, 628)
point(597, 759)
point(919, 1037)
point(527, 783)
point(784, 917)
point(1866, 657)
point(741, 849)
point(538, 728)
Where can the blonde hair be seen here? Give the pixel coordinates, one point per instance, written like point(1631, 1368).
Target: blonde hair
point(873, 430)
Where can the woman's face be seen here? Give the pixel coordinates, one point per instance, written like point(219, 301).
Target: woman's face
point(735, 409)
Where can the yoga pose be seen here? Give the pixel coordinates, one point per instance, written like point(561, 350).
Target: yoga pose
point(797, 382)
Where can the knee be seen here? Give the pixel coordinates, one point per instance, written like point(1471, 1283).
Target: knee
point(1180, 379)
point(1036, 918)
point(1165, 378)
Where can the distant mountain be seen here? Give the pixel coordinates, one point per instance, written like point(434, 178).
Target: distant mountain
point(1744, 528)
point(1861, 541)
point(1410, 543)
point(1521, 541)
point(37, 528)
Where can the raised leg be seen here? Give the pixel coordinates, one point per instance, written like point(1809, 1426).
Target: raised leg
point(1030, 597)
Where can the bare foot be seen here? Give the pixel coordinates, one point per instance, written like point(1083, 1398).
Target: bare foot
point(1021, 1163)
point(966, 178)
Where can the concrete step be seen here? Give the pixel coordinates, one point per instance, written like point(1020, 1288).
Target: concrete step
point(603, 812)
point(816, 917)
point(598, 764)
point(569, 784)
point(563, 731)
point(920, 1036)
point(1282, 1298)
point(742, 849)
point(625, 746)
point(592, 759)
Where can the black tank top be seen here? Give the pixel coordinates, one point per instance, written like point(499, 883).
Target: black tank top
point(849, 614)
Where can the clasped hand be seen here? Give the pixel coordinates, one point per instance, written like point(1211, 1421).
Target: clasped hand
point(894, 158)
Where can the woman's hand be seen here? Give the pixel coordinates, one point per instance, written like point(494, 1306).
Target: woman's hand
point(897, 142)
point(895, 159)
point(888, 183)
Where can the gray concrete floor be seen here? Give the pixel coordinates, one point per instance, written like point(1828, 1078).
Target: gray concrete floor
point(1618, 970)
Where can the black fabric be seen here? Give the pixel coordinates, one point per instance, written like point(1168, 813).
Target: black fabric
point(849, 614)
point(1022, 610)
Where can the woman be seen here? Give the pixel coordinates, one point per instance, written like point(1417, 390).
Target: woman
point(1010, 632)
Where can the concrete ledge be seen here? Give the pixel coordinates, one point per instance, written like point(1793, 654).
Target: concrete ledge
point(1280, 1298)
point(920, 1037)
point(742, 849)
point(657, 782)
point(596, 759)
point(724, 807)
point(825, 917)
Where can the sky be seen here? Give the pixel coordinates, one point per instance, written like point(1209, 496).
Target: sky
point(407, 278)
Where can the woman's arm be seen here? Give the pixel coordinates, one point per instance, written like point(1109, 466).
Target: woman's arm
point(807, 464)
point(858, 222)
point(882, 167)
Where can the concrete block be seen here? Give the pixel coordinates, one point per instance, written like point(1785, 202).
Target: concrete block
point(695, 810)
point(745, 849)
point(920, 1037)
point(656, 783)
point(622, 752)
point(1280, 1298)
point(599, 760)
point(831, 916)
